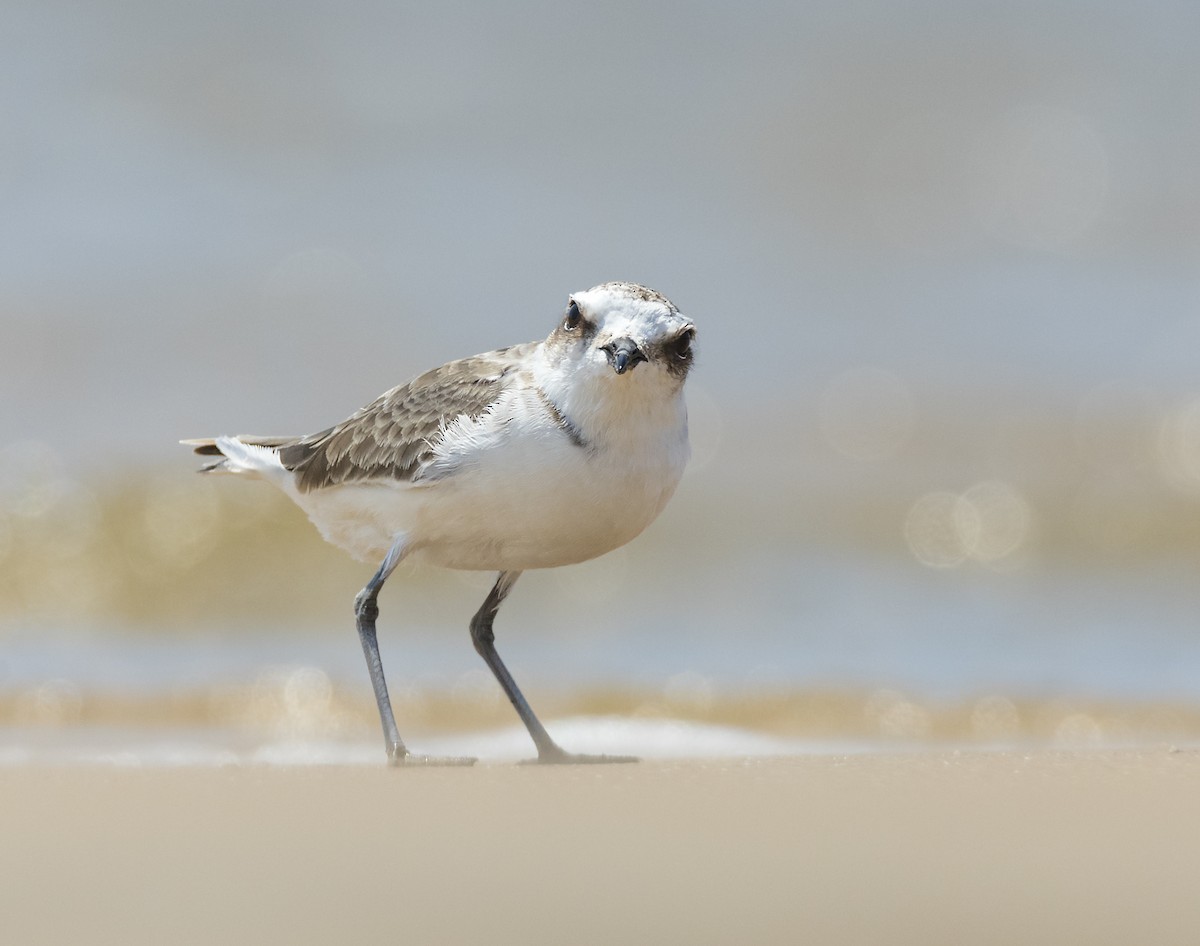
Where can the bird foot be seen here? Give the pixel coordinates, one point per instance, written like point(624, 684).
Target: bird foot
point(414, 759)
point(557, 756)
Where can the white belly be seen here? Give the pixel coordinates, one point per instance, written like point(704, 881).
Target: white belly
point(555, 516)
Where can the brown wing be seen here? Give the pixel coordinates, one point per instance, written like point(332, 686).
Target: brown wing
point(392, 436)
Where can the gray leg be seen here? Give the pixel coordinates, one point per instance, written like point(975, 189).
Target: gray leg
point(485, 645)
point(366, 612)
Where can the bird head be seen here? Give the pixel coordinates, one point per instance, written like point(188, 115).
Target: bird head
point(625, 333)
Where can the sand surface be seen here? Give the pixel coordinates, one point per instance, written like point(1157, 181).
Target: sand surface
point(974, 848)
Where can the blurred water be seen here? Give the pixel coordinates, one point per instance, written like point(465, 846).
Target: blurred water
point(944, 260)
point(649, 739)
point(234, 216)
point(778, 624)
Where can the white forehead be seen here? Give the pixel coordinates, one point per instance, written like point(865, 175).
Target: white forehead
point(630, 309)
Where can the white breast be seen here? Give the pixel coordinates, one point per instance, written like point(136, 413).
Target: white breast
point(524, 495)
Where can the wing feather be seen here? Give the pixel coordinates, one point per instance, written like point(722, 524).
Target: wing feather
point(393, 436)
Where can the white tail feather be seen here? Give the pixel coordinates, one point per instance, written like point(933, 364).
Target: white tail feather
point(250, 460)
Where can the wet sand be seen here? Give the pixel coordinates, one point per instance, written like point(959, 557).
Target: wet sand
point(1090, 847)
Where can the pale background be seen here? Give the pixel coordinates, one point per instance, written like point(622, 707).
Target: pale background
point(944, 259)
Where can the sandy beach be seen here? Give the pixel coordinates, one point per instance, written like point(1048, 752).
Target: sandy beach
point(1050, 847)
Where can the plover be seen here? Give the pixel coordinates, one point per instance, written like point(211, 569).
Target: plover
point(543, 454)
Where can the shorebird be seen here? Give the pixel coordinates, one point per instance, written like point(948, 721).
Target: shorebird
point(534, 456)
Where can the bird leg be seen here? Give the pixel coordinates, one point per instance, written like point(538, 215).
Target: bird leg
point(366, 612)
point(485, 644)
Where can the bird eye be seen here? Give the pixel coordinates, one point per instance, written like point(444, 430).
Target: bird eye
point(574, 316)
point(683, 344)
